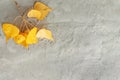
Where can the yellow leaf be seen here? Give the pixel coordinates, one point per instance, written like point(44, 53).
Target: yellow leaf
point(19, 39)
point(44, 14)
point(10, 30)
point(24, 34)
point(40, 11)
point(40, 6)
point(44, 33)
point(31, 38)
point(34, 14)
point(24, 42)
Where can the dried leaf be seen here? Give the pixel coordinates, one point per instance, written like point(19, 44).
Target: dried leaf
point(44, 14)
point(31, 38)
point(10, 30)
point(34, 14)
point(40, 11)
point(24, 42)
point(44, 33)
point(19, 39)
point(40, 6)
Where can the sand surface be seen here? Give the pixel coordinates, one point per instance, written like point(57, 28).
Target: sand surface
point(87, 47)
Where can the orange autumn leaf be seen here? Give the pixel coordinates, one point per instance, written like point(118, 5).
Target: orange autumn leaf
point(24, 42)
point(25, 33)
point(31, 37)
point(39, 11)
point(10, 30)
point(19, 39)
point(44, 33)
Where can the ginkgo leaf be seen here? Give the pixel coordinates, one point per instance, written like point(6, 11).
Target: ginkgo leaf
point(34, 14)
point(19, 39)
point(43, 9)
point(10, 30)
point(40, 11)
point(44, 14)
point(44, 33)
point(31, 37)
point(40, 6)
point(24, 42)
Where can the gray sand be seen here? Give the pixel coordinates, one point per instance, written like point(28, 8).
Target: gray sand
point(87, 47)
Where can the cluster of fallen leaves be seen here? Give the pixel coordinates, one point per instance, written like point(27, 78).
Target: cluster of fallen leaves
point(27, 33)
